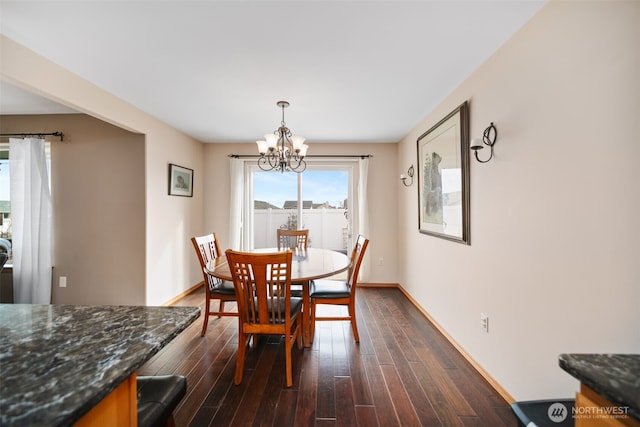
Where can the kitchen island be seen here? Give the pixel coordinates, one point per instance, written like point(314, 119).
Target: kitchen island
point(60, 362)
point(609, 388)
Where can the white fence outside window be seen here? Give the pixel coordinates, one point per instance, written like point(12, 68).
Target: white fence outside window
point(328, 228)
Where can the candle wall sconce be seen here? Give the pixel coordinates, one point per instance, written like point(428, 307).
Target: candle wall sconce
point(488, 138)
point(404, 178)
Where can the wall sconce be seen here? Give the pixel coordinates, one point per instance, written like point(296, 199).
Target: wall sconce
point(410, 175)
point(488, 138)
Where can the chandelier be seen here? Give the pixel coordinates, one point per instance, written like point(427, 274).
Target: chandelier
point(282, 151)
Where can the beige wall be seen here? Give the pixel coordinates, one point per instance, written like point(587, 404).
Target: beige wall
point(383, 188)
point(169, 221)
point(98, 190)
point(554, 252)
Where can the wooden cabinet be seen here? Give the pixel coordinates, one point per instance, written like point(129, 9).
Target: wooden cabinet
point(592, 410)
point(118, 408)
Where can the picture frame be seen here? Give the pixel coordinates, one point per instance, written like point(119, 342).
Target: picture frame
point(180, 181)
point(443, 178)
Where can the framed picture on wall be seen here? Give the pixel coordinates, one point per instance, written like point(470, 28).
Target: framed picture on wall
point(443, 178)
point(180, 181)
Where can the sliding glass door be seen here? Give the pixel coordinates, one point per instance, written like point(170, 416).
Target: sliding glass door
point(274, 194)
point(318, 200)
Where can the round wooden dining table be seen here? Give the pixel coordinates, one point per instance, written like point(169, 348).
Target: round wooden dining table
point(307, 265)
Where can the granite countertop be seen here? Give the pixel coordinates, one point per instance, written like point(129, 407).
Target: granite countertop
point(58, 361)
point(616, 377)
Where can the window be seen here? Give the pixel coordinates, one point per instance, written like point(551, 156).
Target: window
point(317, 199)
point(5, 203)
point(5, 199)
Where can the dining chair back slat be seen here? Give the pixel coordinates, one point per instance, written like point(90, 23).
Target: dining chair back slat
point(292, 239)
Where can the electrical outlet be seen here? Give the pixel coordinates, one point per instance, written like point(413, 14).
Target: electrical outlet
point(380, 261)
point(63, 281)
point(484, 322)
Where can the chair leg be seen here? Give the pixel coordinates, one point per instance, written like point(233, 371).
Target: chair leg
point(205, 320)
point(288, 348)
point(242, 346)
point(354, 324)
point(312, 326)
point(299, 337)
point(221, 308)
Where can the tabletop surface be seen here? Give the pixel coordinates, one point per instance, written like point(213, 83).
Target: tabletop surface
point(58, 361)
point(309, 264)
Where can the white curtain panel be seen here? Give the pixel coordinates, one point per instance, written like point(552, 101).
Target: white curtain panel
point(363, 209)
point(30, 221)
point(236, 168)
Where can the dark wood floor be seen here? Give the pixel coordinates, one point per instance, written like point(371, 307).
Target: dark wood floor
point(403, 372)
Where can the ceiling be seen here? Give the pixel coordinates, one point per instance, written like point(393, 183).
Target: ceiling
point(353, 70)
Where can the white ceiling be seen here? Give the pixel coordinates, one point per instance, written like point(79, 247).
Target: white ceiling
point(353, 70)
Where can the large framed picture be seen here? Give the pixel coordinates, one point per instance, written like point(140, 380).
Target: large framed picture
point(180, 181)
point(443, 178)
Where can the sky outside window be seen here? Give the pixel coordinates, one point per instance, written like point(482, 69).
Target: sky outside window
point(318, 186)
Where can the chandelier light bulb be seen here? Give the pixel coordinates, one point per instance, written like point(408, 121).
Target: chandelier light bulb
point(297, 141)
point(262, 147)
point(272, 140)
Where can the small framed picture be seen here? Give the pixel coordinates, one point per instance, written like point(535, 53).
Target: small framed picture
point(180, 181)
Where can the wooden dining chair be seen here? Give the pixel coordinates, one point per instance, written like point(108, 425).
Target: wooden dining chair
point(207, 249)
point(339, 292)
point(265, 305)
point(291, 239)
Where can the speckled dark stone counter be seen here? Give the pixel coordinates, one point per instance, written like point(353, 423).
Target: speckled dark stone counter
point(616, 377)
point(57, 362)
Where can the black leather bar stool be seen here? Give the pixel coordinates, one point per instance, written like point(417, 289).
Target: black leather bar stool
point(158, 397)
point(544, 413)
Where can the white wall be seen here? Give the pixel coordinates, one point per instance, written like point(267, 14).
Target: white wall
point(554, 258)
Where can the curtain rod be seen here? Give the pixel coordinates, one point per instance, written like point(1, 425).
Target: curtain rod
point(38, 134)
point(337, 156)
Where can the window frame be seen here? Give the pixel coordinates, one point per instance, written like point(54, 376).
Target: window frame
point(350, 165)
